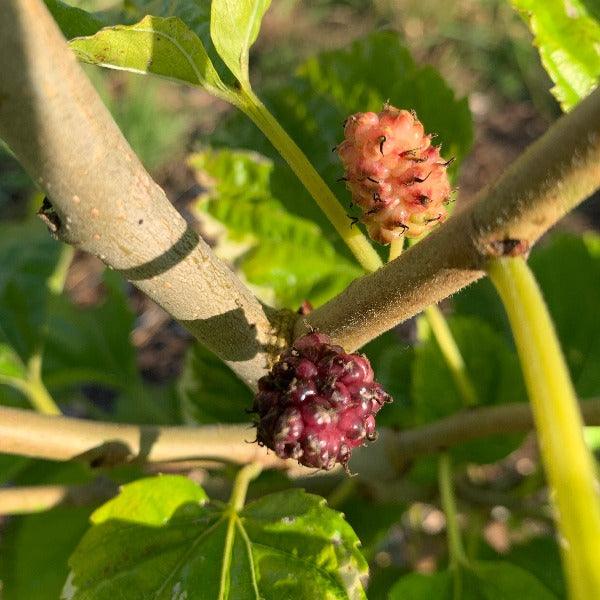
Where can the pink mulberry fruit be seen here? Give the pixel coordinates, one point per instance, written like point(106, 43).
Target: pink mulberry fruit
point(394, 173)
point(318, 403)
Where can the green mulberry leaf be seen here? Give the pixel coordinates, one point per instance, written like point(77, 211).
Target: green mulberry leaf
point(156, 45)
point(234, 27)
point(162, 538)
point(204, 385)
point(567, 33)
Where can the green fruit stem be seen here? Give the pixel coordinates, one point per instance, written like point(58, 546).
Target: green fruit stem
point(360, 246)
point(396, 248)
point(569, 465)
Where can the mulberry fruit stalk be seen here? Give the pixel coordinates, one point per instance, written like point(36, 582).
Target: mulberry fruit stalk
point(394, 173)
point(318, 403)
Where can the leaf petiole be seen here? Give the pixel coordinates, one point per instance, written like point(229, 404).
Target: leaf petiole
point(240, 486)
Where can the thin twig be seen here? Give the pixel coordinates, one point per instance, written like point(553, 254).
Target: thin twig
point(100, 444)
point(475, 424)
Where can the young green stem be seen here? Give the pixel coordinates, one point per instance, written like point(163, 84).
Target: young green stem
point(40, 398)
point(452, 356)
point(236, 502)
point(458, 556)
point(56, 281)
point(34, 388)
point(366, 255)
point(569, 465)
point(240, 487)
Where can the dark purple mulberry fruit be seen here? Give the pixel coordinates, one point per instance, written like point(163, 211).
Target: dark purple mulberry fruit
point(318, 403)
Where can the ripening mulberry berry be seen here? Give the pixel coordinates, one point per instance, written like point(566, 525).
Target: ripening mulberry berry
point(318, 403)
point(394, 173)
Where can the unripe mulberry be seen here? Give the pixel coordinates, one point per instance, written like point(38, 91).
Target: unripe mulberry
point(394, 173)
point(318, 403)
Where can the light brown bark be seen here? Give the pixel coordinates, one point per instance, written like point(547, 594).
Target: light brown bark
point(103, 200)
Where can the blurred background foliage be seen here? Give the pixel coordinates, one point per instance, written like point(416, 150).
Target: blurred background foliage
point(470, 69)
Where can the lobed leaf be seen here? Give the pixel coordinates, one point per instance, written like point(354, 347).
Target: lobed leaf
point(392, 360)
point(568, 271)
point(195, 14)
point(28, 257)
point(34, 549)
point(425, 390)
point(539, 556)
point(371, 520)
point(487, 357)
point(144, 403)
point(75, 22)
point(151, 501)
point(91, 344)
point(416, 586)
point(567, 34)
point(78, 345)
point(178, 545)
point(347, 78)
point(12, 368)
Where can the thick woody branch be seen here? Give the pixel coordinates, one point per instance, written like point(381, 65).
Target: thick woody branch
point(558, 171)
point(27, 433)
point(103, 201)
